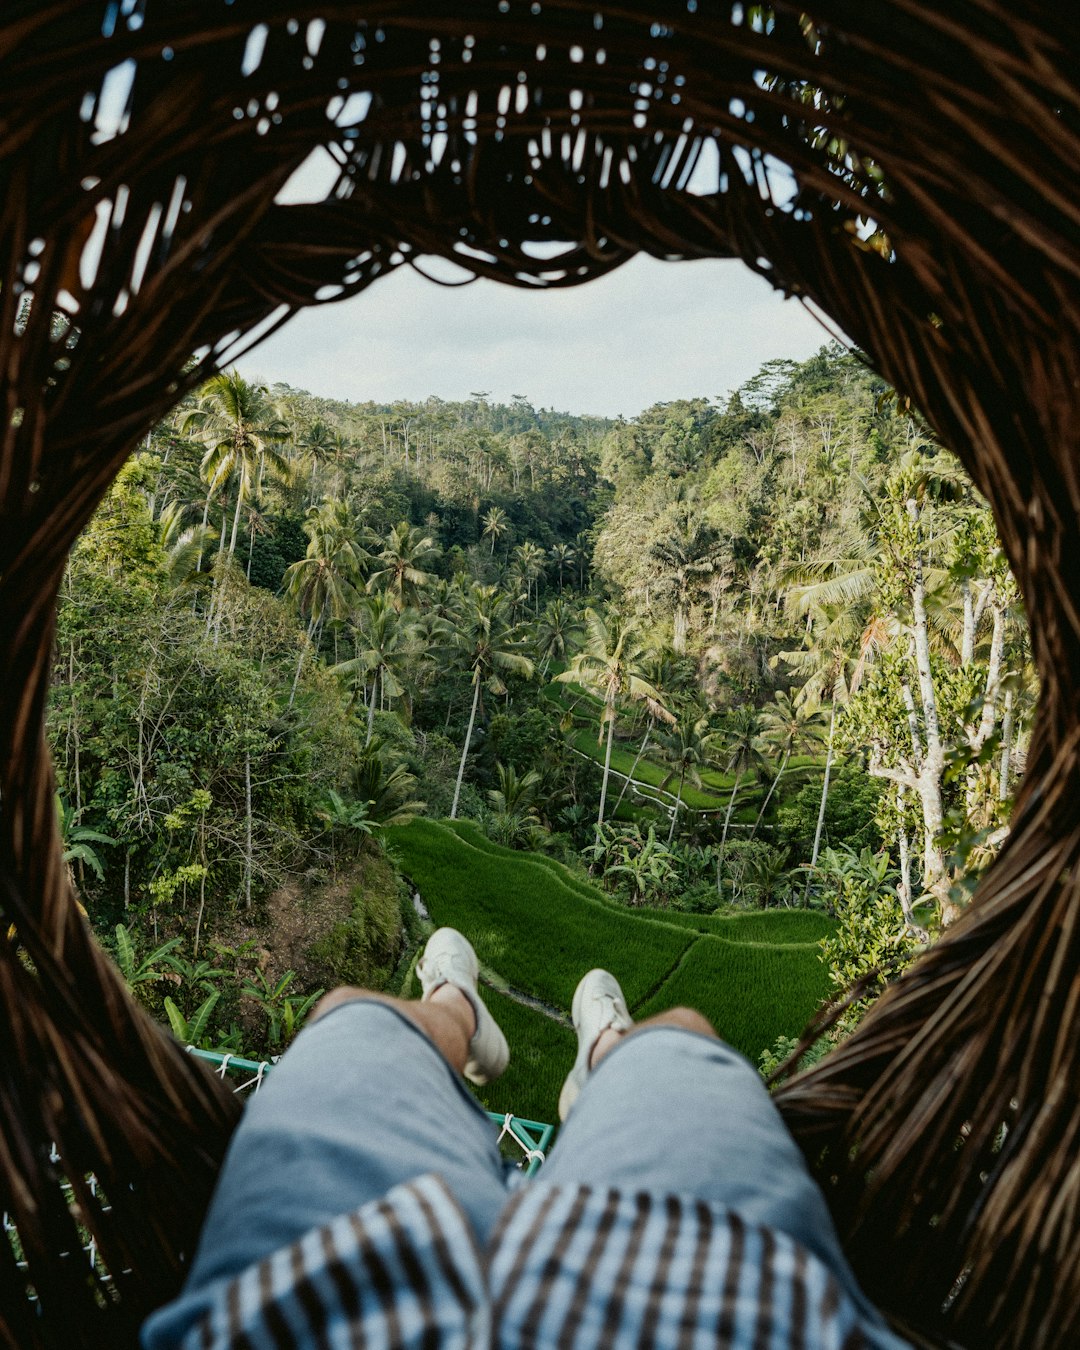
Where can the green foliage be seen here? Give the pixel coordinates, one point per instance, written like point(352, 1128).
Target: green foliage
point(871, 934)
point(284, 1013)
point(153, 968)
point(364, 949)
point(78, 840)
point(541, 928)
point(636, 863)
point(194, 1030)
point(784, 1047)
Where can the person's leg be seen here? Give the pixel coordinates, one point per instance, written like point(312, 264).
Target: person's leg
point(669, 1107)
point(369, 1096)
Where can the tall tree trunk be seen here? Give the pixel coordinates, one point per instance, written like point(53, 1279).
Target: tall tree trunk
point(236, 516)
point(824, 799)
point(371, 710)
point(300, 663)
point(1008, 724)
point(247, 830)
point(675, 813)
point(933, 766)
point(724, 835)
point(637, 757)
point(202, 532)
point(678, 636)
point(772, 789)
point(607, 767)
point(468, 740)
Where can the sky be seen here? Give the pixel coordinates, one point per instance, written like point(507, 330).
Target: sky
point(650, 332)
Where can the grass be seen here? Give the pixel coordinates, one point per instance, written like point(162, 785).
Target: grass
point(756, 976)
point(541, 1055)
point(650, 774)
point(751, 992)
point(774, 926)
point(528, 924)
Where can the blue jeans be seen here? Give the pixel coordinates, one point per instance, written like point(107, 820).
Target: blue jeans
point(363, 1101)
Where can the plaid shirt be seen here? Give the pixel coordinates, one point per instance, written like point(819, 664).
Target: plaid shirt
point(569, 1266)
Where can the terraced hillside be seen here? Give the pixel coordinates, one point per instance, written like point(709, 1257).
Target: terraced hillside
point(537, 929)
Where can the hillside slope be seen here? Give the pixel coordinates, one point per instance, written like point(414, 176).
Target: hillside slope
point(537, 929)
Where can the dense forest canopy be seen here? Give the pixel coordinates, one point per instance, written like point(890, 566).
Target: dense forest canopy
point(755, 651)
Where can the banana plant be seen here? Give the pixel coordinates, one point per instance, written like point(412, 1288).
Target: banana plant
point(192, 1031)
point(78, 839)
point(284, 1012)
point(148, 969)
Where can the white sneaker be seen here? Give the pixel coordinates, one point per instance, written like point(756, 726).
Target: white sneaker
point(449, 959)
point(598, 1005)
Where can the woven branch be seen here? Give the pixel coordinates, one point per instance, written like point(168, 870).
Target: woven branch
point(928, 206)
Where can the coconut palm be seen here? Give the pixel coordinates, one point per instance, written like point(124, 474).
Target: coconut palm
point(556, 633)
point(563, 557)
point(787, 724)
point(386, 641)
point(687, 747)
point(495, 526)
point(529, 558)
point(324, 582)
point(317, 444)
point(841, 643)
point(740, 738)
point(235, 420)
point(486, 647)
point(686, 556)
point(183, 544)
point(515, 818)
point(400, 567)
point(610, 665)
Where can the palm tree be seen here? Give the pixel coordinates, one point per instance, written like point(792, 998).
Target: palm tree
point(787, 724)
point(407, 551)
point(486, 647)
point(317, 443)
point(563, 556)
point(183, 544)
point(740, 736)
point(235, 421)
point(841, 643)
point(609, 664)
point(556, 633)
point(324, 582)
point(385, 641)
point(687, 747)
point(495, 526)
point(530, 561)
point(513, 804)
point(688, 554)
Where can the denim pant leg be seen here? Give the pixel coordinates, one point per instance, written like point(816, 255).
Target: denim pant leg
point(674, 1111)
point(362, 1102)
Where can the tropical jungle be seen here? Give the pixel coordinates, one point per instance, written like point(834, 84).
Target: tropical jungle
point(731, 697)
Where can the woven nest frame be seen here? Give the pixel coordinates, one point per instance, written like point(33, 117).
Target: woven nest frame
point(946, 1130)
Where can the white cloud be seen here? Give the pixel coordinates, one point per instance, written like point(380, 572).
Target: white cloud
point(647, 333)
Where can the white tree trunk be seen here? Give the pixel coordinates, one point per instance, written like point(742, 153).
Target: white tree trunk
point(465, 747)
point(772, 789)
point(607, 767)
point(1008, 724)
point(824, 795)
point(933, 765)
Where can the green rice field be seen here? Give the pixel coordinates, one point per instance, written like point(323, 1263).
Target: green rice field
point(538, 928)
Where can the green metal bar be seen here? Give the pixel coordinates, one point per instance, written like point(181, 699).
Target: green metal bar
point(534, 1136)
